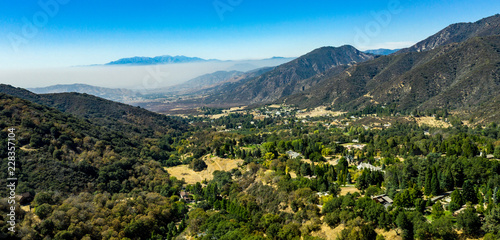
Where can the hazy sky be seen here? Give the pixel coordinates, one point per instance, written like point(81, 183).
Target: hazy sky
point(61, 33)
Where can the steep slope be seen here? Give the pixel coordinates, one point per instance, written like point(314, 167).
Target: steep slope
point(289, 78)
point(113, 94)
point(116, 116)
point(457, 76)
point(458, 32)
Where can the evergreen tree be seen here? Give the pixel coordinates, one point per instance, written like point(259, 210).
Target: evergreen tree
point(405, 225)
point(448, 182)
point(469, 221)
point(428, 182)
point(436, 190)
point(469, 192)
point(492, 221)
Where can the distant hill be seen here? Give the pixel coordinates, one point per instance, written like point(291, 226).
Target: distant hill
point(242, 67)
point(166, 59)
point(239, 65)
point(206, 80)
point(112, 115)
point(382, 51)
point(458, 32)
point(234, 81)
point(114, 94)
point(288, 78)
point(464, 76)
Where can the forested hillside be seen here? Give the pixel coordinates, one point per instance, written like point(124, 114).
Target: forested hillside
point(112, 115)
point(64, 159)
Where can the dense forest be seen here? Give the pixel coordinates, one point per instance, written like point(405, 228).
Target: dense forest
point(298, 178)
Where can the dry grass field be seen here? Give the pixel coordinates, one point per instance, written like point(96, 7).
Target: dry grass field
point(318, 112)
point(213, 163)
point(345, 190)
point(329, 233)
point(431, 122)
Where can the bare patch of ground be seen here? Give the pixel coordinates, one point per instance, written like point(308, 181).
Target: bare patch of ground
point(329, 233)
point(431, 122)
point(388, 235)
point(318, 112)
point(213, 163)
point(348, 189)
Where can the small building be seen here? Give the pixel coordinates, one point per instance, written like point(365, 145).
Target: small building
point(363, 166)
point(384, 200)
point(25, 198)
point(441, 196)
point(185, 196)
point(291, 154)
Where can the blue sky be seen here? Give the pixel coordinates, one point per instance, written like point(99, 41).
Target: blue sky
point(77, 32)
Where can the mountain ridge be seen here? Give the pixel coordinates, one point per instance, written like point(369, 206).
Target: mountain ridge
point(113, 94)
point(103, 112)
point(456, 33)
point(456, 76)
point(288, 78)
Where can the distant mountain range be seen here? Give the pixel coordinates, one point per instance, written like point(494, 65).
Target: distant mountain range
point(457, 68)
point(166, 59)
point(114, 94)
point(382, 51)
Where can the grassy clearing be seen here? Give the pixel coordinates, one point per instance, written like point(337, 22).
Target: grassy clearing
point(329, 233)
point(213, 163)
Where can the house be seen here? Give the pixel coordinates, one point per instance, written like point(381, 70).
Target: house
point(441, 197)
point(355, 146)
point(185, 196)
point(383, 199)
point(25, 198)
point(363, 166)
point(291, 154)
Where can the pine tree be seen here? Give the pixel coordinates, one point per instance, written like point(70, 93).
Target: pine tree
point(456, 197)
point(436, 190)
point(405, 225)
point(469, 192)
point(428, 182)
point(448, 181)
